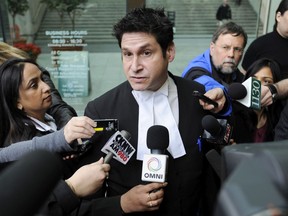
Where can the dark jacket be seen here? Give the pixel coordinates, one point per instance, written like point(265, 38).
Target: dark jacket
point(202, 70)
point(183, 193)
point(223, 12)
point(245, 122)
point(60, 110)
point(281, 129)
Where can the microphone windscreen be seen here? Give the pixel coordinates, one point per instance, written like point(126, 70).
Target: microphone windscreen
point(210, 124)
point(126, 134)
point(237, 91)
point(157, 137)
point(26, 184)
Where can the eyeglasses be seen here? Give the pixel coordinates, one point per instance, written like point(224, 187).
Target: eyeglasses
point(237, 50)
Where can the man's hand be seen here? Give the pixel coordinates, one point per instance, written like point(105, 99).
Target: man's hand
point(143, 198)
point(216, 95)
point(266, 96)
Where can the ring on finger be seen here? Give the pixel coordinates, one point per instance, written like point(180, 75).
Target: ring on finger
point(149, 197)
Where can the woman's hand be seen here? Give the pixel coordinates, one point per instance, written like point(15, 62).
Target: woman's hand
point(89, 178)
point(79, 127)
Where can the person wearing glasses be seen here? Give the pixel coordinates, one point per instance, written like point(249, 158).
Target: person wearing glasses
point(218, 65)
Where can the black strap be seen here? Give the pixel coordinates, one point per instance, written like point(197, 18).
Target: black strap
point(196, 72)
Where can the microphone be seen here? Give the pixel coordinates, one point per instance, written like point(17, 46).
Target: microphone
point(118, 146)
point(154, 167)
point(252, 98)
point(237, 91)
point(26, 184)
point(217, 131)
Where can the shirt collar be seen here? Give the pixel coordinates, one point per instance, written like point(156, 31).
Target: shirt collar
point(50, 126)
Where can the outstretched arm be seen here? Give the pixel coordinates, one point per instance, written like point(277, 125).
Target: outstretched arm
point(67, 195)
point(77, 127)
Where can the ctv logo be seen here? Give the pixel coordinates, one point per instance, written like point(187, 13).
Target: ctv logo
point(154, 164)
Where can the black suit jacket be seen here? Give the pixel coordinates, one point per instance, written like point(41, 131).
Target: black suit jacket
point(183, 193)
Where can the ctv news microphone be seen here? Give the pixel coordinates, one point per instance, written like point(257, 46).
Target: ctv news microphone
point(249, 98)
point(118, 146)
point(26, 184)
point(154, 167)
point(217, 131)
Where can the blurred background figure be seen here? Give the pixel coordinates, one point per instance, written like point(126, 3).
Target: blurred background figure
point(223, 13)
point(238, 2)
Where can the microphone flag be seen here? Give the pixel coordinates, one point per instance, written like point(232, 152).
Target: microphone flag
point(120, 147)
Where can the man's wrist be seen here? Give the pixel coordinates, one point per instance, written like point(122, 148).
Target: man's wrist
point(272, 88)
point(71, 186)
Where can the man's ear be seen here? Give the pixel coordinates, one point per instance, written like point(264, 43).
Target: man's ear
point(171, 52)
point(212, 46)
point(278, 15)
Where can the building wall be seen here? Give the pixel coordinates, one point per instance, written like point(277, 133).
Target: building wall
point(267, 12)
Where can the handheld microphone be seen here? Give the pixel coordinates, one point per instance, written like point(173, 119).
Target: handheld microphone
point(154, 167)
point(217, 131)
point(237, 91)
point(26, 184)
point(118, 146)
point(252, 98)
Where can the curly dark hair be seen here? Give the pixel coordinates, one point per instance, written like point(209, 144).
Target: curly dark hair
point(148, 20)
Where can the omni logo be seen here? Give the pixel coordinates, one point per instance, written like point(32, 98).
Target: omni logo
point(154, 164)
point(154, 168)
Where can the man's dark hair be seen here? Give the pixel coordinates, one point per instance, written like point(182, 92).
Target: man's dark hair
point(148, 20)
point(282, 8)
point(230, 28)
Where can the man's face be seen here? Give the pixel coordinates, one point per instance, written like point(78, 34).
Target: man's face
point(227, 52)
point(282, 24)
point(143, 62)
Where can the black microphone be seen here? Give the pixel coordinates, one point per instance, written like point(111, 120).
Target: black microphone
point(118, 145)
point(26, 184)
point(154, 167)
point(237, 91)
point(217, 131)
point(158, 139)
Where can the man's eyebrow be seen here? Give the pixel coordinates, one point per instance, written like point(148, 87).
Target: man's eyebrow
point(144, 46)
